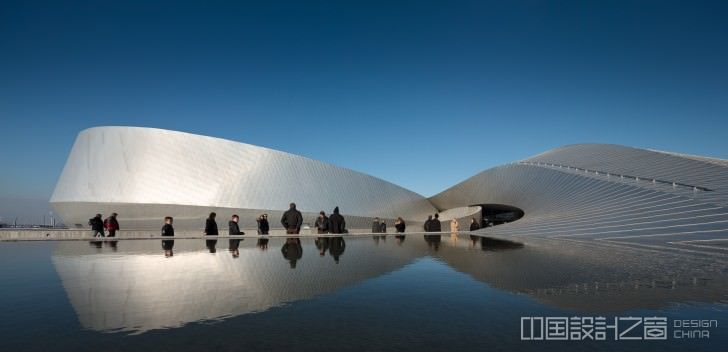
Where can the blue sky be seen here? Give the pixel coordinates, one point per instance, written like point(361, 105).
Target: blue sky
point(423, 94)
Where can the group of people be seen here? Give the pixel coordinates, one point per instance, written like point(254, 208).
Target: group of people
point(99, 226)
point(291, 221)
point(434, 225)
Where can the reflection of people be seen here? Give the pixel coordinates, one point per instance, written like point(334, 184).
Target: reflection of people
point(233, 247)
point(322, 223)
point(111, 224)
point(400, 239)
point(211, 225)
point(263, 225)
point(292, 251)
point(168, 231)
point(433, 241)
point(292, 220)
point(263, 244)
point(474, 241)
point(337, 245)
point(322, 243)
point(211, 245)
point(337, 224)
point(399, 225)
point(112, 244)
point(97, 225)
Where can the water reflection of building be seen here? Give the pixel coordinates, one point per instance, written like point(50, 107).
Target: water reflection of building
point(590, 277)
point(137, 288)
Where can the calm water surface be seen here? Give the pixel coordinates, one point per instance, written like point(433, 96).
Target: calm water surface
point(456, 293)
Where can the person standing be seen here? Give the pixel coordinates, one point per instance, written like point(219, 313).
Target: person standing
point(322, 223)
point(435, 225)
point(454, 225)
point(97, 225)
point(168, 231)
point(383, 227)
point(399, 225)
point(211, 225)
point(337, 224)
point(263, 226)
point(474, 224)
point(111, 224)
point(375, 226)
point(233, 227)
point(292, 220)
point(428, 224)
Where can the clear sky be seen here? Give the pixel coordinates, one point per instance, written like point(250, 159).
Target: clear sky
point(423, 94)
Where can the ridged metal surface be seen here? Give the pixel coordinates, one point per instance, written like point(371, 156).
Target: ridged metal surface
point(114, 169)
point(580, 192)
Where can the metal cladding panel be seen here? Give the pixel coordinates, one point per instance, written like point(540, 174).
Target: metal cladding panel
point(606, 192)
point(133, 165)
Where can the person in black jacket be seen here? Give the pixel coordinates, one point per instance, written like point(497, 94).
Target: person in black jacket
point(337, 224)
point(263, 226)
point(211, 225)
point(383, 227)
point(376, 227)
point(435, 225)
point(111, 224)
point(428, 223)
point(399, 225)
point(168, 231)
point(474, 224)
point(322, 223)
point(97, 225)
point(233, 228)
point(292, 220)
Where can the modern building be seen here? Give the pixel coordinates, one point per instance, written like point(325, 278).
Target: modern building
point(586, 191)
point(145, 174)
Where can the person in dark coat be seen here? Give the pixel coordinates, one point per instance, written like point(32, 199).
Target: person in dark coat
point(322, 223)
point(168, 231)
point(428, 223)
point(337, 224)
point(233, 228)
point(97, 225)
point(292, 220)
point(376, 227)
point(211, 225)
point(263, 226)
point(474, 224)
point(435, 225)
point(292, 251)
point(337, 245)
point(399, 225)
point(111, 224)
point(383, 227)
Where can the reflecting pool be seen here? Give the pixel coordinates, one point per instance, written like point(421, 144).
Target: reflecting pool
point(370, 293)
